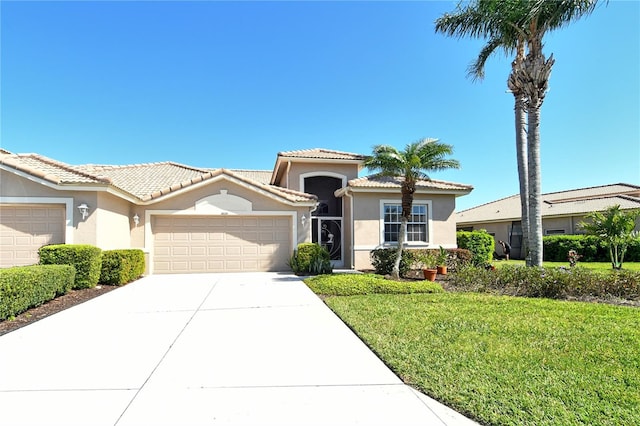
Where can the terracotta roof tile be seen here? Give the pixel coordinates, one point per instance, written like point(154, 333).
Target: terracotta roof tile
point(289, 194)
point(51, 170)
point(573, 202)
point(262, 176)
point(142, 181)
point(150, 180)
point(377, 181)
point(320, 153)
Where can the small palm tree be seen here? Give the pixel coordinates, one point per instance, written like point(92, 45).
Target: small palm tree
point(616, 228)
point(411, 165)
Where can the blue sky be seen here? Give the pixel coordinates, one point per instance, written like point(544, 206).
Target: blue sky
point(230, 84)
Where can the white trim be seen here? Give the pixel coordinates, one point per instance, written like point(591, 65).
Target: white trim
point(148, 236)
point(426, 244)
point(68, 203)
point(417, 246)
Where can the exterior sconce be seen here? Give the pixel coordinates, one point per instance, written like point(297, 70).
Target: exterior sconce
point(136, 219)
point(84, 210)
point(303, 219)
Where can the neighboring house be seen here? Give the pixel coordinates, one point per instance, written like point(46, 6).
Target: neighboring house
point(190, 219)
point(561, 212)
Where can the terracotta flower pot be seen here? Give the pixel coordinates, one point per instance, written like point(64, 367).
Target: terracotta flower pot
point(442, 270)
point(430, 274)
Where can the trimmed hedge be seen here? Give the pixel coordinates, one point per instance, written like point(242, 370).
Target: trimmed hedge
point(24, 287)
point(86, 259)
point(553, 283)
point(121, 266)
point(590, 247)
point(479, 243)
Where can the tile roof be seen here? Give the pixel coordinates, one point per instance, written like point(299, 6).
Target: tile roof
point(144, 182)
point(573, 202)
point(320, 153)
point(381, 182)
point(51, 170)
point(262, 176)
point(150, 180)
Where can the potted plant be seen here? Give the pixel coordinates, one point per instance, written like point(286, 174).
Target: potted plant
point(427, 262)
point(442, 261)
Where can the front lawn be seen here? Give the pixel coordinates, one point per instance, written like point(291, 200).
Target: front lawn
point(597, 266)
point(508, 361)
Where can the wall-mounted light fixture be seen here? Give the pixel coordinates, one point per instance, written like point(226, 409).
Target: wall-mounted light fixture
point(136, 219)
point(303, 219)
point(84, 210)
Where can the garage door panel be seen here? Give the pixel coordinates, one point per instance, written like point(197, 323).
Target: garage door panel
point(26, 228)
point(221, 244)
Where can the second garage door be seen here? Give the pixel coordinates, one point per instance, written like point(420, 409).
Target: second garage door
point(26, 228)
point(221, 244)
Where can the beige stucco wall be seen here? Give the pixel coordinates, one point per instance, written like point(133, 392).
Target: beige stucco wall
point(115, 223)
point(350, 171)
point(367, 223)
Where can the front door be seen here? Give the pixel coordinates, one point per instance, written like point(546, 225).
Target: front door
point(327, 231)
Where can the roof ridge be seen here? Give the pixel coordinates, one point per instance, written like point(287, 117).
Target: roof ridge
point(599, 197)
point(60, 164)
point(592, 187)
point(267, 187)
point(325, 150)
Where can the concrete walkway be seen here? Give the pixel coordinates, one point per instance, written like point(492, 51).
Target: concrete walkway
point(215, 349)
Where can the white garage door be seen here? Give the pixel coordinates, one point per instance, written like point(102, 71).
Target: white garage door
point(221, 244)
point(24, 229)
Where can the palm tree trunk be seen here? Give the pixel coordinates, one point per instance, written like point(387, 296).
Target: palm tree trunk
point(521, 154)
point(395, 272)
point(535, 195)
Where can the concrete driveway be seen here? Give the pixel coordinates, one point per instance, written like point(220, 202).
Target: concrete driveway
point(210, 349)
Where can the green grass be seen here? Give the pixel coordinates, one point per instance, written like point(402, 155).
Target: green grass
point(504, 360)
point(597, 266)
point(353, 284)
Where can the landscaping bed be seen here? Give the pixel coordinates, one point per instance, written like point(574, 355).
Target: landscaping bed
point(60, 303)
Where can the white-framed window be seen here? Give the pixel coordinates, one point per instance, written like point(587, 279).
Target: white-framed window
point(418, 225)
point(554, 231)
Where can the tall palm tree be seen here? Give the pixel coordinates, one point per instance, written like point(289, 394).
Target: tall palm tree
point(485, 19)
point(509, 23)
point(533, 77)
point(411, 165)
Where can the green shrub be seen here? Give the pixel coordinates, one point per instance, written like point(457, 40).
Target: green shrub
point(556, 248)
point(358, 284)
point(553, 283)
point(121, 266)
point(24, 287)
point(479, 243)
point(383, 259)
point(310, 258)
point(86, 259)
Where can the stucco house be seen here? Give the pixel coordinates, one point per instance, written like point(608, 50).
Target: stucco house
point(189, 219)
point(561, 212)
